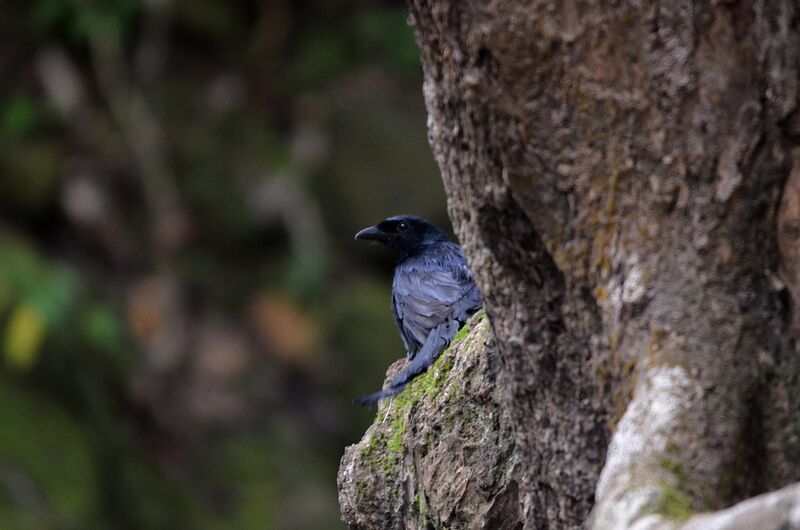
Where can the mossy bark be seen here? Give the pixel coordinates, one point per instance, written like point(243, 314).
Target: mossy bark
point(623, 180)
point(441, 454)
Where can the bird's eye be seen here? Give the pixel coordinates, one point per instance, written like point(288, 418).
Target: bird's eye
point(402, 227)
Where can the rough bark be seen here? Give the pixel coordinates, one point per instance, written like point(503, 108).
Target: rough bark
point(441, 454)
point(624, 182)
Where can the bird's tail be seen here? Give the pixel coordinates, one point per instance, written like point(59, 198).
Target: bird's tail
point(438, 339)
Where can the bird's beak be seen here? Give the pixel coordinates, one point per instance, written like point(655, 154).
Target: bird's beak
point(372, 233)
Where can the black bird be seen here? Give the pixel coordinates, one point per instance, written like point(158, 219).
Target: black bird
point(433, 293)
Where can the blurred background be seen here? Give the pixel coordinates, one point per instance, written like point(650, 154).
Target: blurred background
point(184, 315)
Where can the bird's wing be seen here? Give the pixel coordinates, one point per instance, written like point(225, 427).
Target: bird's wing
point(424, 298)
point(409, 341)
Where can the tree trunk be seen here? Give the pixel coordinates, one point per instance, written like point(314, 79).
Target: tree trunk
point(625, 182)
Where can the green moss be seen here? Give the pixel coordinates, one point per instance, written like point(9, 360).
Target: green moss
point(361, 487)
point(421, 507)
point(450, 417)
point(388, 465)
point(384, 447)
point(426, 385)
point(673, 504)
point(367, 450)
point(462, 334)
point(395, 442)
point(474, 322)
point(675, 467)
point(375, 458)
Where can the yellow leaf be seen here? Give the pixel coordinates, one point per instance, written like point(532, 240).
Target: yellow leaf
point(24, 335)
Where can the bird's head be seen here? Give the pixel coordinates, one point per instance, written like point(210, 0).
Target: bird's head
point(404, 233)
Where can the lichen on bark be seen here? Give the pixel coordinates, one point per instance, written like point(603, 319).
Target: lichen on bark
point(441, 453)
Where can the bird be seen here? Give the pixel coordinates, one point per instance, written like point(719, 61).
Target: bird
point(433, 293)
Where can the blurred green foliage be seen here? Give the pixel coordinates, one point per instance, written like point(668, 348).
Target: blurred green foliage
point(21, 116)
point(83, 19)
point(184, 317)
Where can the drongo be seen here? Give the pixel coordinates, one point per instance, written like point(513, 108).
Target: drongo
point(433, 293)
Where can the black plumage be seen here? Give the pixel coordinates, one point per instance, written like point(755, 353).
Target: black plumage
point(433, 293)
